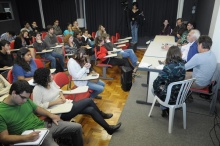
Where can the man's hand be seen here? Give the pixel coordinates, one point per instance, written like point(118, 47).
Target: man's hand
point(55, 118)
point(33, 136)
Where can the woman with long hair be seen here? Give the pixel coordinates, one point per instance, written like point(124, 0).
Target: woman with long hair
point(47, 93)
point(78, 68)
point(23, 40)
point(70, 46)
point(173, 71)
point(101, 30)
point(165, 28)
point(24, 66)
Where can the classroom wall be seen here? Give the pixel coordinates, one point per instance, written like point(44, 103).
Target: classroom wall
point(214, 31)
point(12, 25)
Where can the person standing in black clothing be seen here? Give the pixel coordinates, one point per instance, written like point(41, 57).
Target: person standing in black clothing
point(5, 54)
point(134, 22)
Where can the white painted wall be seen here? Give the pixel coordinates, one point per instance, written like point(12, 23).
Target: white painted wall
point(214, 31)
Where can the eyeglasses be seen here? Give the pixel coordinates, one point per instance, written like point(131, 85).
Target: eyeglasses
point(23, 97)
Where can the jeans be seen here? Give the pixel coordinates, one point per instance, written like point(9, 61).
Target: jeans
point(52, 57)
point(86, 106)
point(129, 53)
point(62, 129)
point(134, 33)
point(96, 87)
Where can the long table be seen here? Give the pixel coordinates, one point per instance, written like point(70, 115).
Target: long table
point(154, 53)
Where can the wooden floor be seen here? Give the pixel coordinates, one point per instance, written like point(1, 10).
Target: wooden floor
point(113, 101)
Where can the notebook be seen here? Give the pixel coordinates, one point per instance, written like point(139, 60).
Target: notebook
point(80, 89)
point(61, 108)
point(43, 133)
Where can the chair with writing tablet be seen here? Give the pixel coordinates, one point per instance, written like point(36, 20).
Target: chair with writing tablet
point(180, 101)
point(10, 76)
point(103, 66)
point(63, 79)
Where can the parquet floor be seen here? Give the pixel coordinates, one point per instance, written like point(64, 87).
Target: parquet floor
point(113, 101)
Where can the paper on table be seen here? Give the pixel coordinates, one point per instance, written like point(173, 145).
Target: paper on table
point(116, 50)
point(80, 89)
point(57, 46)
point(44, 51)
point(144, 65)
point(160, 67)
point(110, 55)
point(61, 108)
point(122, 42)
point(43, 133)
point(122, 45)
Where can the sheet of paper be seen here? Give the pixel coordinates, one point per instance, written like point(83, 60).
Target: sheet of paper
point(89, 77)
point(57, 46)
point(122, 45)
point(160, 67)
point(110, 55)
point(3, 97)
point(44, 51)
point(8, 68)
point(43, 133)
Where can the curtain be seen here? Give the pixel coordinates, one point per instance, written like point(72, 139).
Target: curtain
point(63, 10)
point(28, 11)
point(111, 14)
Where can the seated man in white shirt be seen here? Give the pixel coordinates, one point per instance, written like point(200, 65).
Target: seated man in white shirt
point(189, 50)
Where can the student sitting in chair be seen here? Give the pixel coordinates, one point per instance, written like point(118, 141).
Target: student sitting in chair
point(47, 93)
point(173, 71)
point(79, 68)
point(17, 114)
point(41, 46)
point(24, 66)
point(203, 64)
point(127, 53)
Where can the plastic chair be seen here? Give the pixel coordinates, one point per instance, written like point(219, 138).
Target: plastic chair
point(103, 66)
point(10, 76)
point(93, 34)
point(62, 79)
point(117, 36)
point(12, 45)
point(59, 39)
point(43, 34)
point(180, 101)
point(113, 39)
point(39, 63)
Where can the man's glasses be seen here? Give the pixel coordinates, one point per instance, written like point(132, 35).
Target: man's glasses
point(23, 97)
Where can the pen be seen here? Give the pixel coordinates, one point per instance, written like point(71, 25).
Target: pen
point(149, 65)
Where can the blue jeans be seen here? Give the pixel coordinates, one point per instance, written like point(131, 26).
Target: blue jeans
point(129, 53)
point(52, 57)
point(96, 87)
point(134, 33)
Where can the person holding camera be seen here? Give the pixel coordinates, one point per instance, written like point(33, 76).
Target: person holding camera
point(135, 21)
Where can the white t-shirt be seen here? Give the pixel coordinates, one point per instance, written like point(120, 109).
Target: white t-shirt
point(42, 96)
